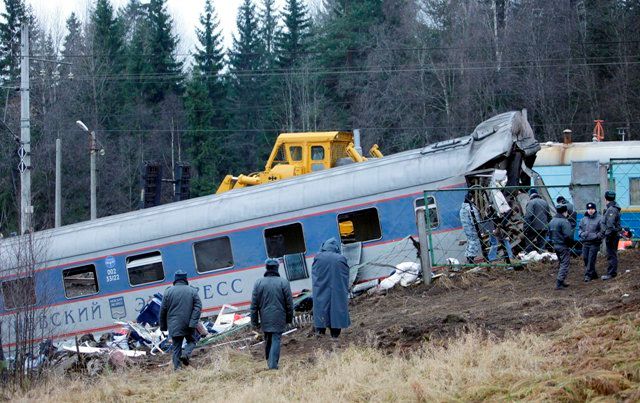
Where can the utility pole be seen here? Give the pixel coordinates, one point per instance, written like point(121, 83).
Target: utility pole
point(93, 149)
point(58, 214)
point(24, 152)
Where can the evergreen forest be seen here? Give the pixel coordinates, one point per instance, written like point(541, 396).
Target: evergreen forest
point(405, 72)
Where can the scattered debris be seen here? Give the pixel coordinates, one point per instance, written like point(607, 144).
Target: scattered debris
point(140, 339)
point(535, 256)
point(406, 273)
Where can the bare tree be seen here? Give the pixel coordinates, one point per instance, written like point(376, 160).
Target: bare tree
point(25, 300)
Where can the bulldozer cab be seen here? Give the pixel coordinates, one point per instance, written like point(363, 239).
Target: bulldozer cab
point(300, 153)
point(309, 152)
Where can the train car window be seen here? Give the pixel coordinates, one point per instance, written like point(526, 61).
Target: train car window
point(284, 240)
point(80, 281)
point(634, 191)
point(296, 153)
point(213, 254)
point(433, 210)
point(359, 226)
point(19, 292)
point(145, 268)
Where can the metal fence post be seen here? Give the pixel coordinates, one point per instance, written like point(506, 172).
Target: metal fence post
point(422, 221)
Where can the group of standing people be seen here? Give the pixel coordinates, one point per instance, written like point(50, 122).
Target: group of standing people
point(593, 230)
point(541, 229)
point(271, 305)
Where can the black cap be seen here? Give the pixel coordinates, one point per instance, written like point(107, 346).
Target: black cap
point(591, 206)
point(609, 195)
point(532, 191)
point(561, 208)
point(561, 199)
point(271, 264)
point(180, 275)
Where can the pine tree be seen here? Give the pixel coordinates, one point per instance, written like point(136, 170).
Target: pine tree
point(108, 60)
point(343, 42)
point(247, 91)
point(13, 16)
point(161, 48)
point(269, 31)
point(133, 18)
point(247, 51)
point(209, 56)
point(204, 100)
point(107, 35)
point(203, 146)
point(292, 42)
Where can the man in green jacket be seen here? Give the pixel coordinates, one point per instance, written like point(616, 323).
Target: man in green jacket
point(271, 309)
point(180, 313)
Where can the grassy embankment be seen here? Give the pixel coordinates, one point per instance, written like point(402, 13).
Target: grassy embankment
point(586, 359)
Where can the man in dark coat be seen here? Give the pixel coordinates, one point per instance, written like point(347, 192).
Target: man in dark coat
point(591, 234)
point(561, 236)
point(611, 226)
point(330, 287)
point(571, 211)
point(536, 220)
point(271, 309)
point(180, 313)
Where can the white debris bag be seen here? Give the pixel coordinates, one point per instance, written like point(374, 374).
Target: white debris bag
point(537, 257)
point(406, 274)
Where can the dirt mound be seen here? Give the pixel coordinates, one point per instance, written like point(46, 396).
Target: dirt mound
point(496, 301)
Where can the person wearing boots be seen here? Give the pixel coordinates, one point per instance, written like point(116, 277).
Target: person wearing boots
point(180, 314)
point(611, 227)
point(271, 309)
point(469, 216)
point(330, 288)
point(561, 236)
point(591, 234)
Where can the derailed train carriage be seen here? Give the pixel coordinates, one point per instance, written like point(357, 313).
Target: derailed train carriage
point(87, 275)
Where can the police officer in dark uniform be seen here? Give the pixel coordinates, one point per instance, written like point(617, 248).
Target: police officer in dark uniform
point(561, 237)
point(591, 235)
point(611, 226)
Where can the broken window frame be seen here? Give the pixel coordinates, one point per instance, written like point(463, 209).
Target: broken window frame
point(92, 268)
point(355, 226)
point(30, 282)
point(287, 251)
point(433, 210)
point(148, 255)
point(229, 250)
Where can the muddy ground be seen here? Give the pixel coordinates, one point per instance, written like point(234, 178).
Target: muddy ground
point(495, 300)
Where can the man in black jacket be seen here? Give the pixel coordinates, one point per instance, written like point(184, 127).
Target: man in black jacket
point(271, 309)
point(180, 313)
point(571, 211)
point(590, 234)
point(611, 226)
point(561, 236)
point(536, 221)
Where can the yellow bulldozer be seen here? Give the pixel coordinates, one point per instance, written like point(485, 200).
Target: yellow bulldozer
point(297, 154)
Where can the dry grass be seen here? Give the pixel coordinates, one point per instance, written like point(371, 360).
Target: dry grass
point(597, 359)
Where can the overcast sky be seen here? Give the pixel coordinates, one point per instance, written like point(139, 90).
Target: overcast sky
point(185, 14)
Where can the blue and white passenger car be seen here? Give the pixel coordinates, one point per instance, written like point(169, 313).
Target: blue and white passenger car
point(90, 274)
